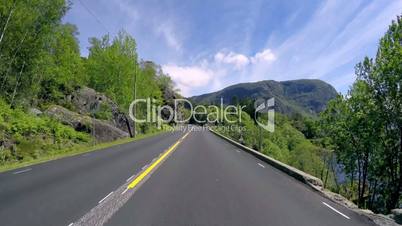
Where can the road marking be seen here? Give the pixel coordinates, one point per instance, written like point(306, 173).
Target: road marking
point(332, 208)
point(124, 191)
point(144, 167)
point(130, 178)
point(71, 224)
point(148, 170)
point(238, 151)
point(22, 171)
point(261, 165)
point(105, 197)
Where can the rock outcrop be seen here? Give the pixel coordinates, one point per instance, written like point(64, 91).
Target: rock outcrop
point(397, 215)
point(87, 101)
point(102, 130)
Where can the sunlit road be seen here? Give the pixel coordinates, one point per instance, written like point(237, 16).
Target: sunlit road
point(203, 181)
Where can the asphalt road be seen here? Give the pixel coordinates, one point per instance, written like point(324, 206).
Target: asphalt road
point(60, 192)
point(204, 181)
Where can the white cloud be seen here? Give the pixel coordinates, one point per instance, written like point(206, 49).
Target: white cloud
point(265, 56)
point(210, 73)
point(189, 77)
point(149, 19)
point(238, 60)
point(168, 32)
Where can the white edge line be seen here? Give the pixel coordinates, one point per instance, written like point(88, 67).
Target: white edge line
point(332, 208)
point(130, 178)
point(124, 191)
point(144, 167)
point(238, 151)
point(22, 171)
point(105, 197)
point(261, 165)
point(71, 224)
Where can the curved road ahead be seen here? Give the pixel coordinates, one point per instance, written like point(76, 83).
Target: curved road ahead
point(202, 180)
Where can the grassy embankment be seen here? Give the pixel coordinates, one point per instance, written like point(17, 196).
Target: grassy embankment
point(38, 139)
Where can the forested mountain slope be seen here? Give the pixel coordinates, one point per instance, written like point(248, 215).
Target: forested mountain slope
point(305, 96)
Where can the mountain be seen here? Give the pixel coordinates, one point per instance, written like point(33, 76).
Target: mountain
point(304, 96)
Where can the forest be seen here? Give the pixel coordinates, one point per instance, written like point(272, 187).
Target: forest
point(364, 127)
point(41, 67)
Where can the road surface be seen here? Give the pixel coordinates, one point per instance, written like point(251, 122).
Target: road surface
point(204, 180)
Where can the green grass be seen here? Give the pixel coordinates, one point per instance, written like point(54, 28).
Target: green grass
point(79, 149)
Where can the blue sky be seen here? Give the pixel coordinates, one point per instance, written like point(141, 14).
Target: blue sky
point(206, 45)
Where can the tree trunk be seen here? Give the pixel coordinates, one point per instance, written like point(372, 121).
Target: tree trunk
point(16, 85)
point(135, 97)
point(373, 192)
point(359, 179)
point(128, 125)
point(364, 179)
point(352, 179)
point(3, 83)
point(393, 200)
point(8, 20)
point(333, 169)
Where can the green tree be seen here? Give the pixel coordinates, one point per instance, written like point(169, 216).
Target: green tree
point(351, 124)
point(365, 128)
point(60, 68)
point(111, 67)
point(385, 86)
point(26, 27)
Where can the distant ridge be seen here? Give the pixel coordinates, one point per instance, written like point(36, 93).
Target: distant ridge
point(304, 96)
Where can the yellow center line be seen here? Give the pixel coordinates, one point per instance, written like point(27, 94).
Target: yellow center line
point(138, 179)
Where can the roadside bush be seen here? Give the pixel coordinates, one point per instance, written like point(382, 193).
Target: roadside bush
point(34, 136)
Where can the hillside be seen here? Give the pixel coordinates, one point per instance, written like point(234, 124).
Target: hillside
point(53, 101)
point(305, 96)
